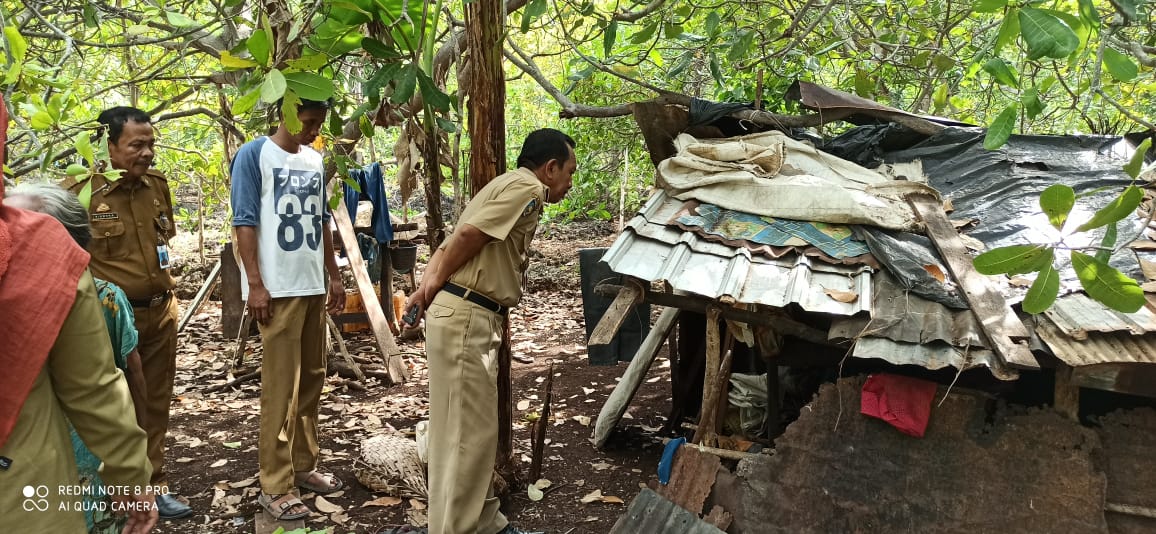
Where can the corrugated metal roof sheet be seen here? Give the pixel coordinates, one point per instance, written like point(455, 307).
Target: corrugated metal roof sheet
point(932, 355)
point(650, 513)
point(650, 250)
point(1097, 347)
point(1077, 315)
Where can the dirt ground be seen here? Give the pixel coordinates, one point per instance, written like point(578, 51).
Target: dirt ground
point(212, 445)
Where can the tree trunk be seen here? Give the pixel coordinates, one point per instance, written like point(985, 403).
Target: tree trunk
point(435, 223)
point(485, 89)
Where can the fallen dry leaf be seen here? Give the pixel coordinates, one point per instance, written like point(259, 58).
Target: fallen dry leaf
point(1149, 269)
point(523, 405)
point(534, 493)
point(243, 483)
point(612, 499)
point(597, 495)
point(948, 207)
point(1020, 281)
point(1148, 287)
point(583, 420)
point(972, 243)
point(587, 390)
point(326, 507)
point(1143, 245)
point(184, 460)
point(935, 272)
point(842, 296)
point(340, 518)
point(383, 501)
point(601, 466)
point(416, 504)
point(219, 463)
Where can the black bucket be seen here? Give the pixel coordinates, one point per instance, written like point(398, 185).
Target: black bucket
point(403, 257)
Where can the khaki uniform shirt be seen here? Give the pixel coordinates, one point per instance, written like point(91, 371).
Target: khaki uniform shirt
point(506, 209)
point(78, 383)
point(129, 221)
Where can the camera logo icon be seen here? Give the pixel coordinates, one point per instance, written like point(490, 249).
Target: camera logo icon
point(34, 498)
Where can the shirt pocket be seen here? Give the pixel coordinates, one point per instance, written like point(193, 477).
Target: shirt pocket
point(439, 311)
point(164, 226)
point(109, 240)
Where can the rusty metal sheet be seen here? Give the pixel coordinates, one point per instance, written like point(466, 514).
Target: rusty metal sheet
point(819, 98)
point(1077, 316)
point(691, 478)
point(649, 512)
point(1097, 347)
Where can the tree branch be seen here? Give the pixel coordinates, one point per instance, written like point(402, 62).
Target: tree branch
point(633, 16)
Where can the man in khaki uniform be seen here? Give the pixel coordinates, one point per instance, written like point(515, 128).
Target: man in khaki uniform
point(132, 223)
point(58, 369)
point(469, 285)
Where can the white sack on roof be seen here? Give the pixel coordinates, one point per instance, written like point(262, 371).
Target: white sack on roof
point(773, 175)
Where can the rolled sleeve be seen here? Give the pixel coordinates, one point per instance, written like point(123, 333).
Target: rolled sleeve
point(246, 184)
point(495, 216)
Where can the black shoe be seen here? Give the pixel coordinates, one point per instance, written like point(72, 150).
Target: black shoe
point(168, 507)
point(511, 529)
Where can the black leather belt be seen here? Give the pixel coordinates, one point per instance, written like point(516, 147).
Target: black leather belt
point(149, 302)
point(475, 297)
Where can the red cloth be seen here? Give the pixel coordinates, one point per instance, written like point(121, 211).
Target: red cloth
point(40, 266)
point(903, 401)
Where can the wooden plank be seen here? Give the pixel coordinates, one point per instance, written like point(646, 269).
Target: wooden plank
point(782, 323)
point(624, 391)
point(1006, 333)
point(263, 523)
point(1067, 397)
point(204, 292)
point(394, 366)
point(232, 307)
point(629, 296)
point(387, 286)
point(705, 435)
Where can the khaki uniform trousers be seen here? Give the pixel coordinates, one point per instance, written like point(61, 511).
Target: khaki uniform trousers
point(462, 347)
point(292, 374)
point(157, 343)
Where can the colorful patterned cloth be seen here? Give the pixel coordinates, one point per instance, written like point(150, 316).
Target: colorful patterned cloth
point(835, 240)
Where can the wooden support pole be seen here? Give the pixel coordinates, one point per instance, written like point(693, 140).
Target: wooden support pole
point(705, 435)
point(619, 399)
point(386, 299)
point(232, 307)
point(1005, 332)
point(242, 339)
point(1067, 396)
point(200, 298)
point(394, 366)
point(538, 433)
point(628, 297)
point(505, 465)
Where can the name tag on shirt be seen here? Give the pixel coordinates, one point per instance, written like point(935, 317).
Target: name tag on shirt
point(163, 256)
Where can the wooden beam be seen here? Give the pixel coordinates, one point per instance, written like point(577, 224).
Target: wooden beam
point(1138, 511)
point(204, 292)
point(706, 433)
point(1005, 332)
point(394, 366)
point(232, 307)
point(782, 324)
point(387, 287)
point(628, 297)
point(624, 391)
point(1066, 400)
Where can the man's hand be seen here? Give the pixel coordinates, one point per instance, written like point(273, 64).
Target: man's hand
point(336, 302)
point(141, 511)
point(419, 298)
point(260, 303)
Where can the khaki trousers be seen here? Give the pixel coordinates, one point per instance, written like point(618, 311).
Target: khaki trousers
point(157, 332)
point(292, 374)
point(462, 347)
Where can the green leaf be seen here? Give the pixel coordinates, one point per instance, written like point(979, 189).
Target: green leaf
point(1122, 207)
point(245, 103)
point(715, 70)
point(432, 94)
point(988, 6)
point(273, 87)
point(1008, 30)
point(1032, 104)
point(289, 112)
point(258, 45)
point(1001, 128)
point(229, 61)
point(447, 125)
point(864, 85)
point(1109, 241)
point(1126, 8)
point(1002, 72)
point(1057, 201)
point(741, 45)
point(75, 169)
point(1107, 285)
point(646, 33)
point(943, 62)
point(1089, 13)
point(712, 21)
point(85, 194)
point(366, 126)
point(939, 97)
point(179, 20)
point(1136, 164)
point(308, 63)
point(91, 16)
point(41, 120)
point(406, 83)
point(83, 145)
point(533, 10)
point(608, 37)
point(1046, 35)
point(379, 49)
point(310, 86)
point(1043, 292)
point(381, 78)
point(672, 31)
point(1014, 259)
point(1119, 65)
point(17, 46)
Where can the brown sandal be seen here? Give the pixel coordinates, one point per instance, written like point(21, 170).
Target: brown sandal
point(279, 507)
point(333, 484)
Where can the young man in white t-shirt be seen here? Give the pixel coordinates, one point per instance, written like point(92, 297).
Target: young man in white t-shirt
point(285, 250)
